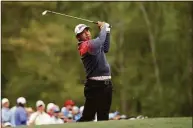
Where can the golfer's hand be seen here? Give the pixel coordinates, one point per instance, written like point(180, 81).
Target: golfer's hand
point(100, 24)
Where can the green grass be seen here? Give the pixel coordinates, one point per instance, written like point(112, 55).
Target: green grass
point(185, 122)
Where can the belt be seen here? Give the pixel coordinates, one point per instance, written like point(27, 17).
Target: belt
point(100, 78)
point(97, 83)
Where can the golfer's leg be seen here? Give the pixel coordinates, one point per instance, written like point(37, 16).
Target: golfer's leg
point(89, 107)
point(104, 104)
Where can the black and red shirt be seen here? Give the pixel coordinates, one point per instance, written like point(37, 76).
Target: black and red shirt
point(93, 56)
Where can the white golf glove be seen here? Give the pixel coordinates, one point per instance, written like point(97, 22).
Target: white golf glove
point(108, 29)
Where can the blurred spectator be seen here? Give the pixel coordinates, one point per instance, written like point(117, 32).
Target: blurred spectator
point(117, 115)
point(69, 113)
point(29, 112)
point(64, 118)
point(20, 112)
point(50, 109)
point(7, 124)
point(5, 112)
point(81, 110)
point(56, 119)
point(61, 115)
point(140, 117)
point(65, 111)
point(76, 113)
point(123, 117)
point(68, 105)
point(40, 116)
point(70, 118)
point(13, 109)
point(111, 116)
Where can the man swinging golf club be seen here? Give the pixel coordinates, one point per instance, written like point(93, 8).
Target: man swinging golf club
point(98, 85)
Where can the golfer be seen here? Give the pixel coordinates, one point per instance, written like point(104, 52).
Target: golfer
point(98, 85)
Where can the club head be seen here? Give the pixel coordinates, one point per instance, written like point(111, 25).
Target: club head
point(44, 12)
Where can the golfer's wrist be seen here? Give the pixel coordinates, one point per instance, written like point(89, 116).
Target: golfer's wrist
point(107, 27)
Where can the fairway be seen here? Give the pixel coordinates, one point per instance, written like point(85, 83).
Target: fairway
point(146, 123)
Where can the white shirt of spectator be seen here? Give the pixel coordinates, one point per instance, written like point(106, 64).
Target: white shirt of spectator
point(40, 118)
point(57, 120)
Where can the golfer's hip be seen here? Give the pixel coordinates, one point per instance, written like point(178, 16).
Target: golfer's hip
point(95, 88)
point(98, 83)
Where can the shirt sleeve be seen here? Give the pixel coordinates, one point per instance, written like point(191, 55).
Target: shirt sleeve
point(96, 44)
point(106, 44)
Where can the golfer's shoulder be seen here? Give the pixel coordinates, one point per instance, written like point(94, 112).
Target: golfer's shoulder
point(84, 47)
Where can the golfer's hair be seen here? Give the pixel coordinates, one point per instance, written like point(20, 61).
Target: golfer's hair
point(78, 37)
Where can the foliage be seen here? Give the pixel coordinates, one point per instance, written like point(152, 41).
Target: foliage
point(40, 58)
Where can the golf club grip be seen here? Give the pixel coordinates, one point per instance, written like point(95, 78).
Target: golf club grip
point(97, 23)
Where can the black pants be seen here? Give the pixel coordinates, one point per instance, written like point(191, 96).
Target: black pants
point(98, 96)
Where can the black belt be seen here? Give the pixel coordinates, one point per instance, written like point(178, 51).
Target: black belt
point(90, 82)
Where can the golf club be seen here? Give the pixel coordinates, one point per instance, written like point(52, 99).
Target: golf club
point(46, 11)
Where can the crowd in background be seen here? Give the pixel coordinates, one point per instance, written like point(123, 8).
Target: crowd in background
point(20, 114)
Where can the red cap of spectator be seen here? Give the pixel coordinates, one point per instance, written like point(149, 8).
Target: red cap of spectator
point(69, 102)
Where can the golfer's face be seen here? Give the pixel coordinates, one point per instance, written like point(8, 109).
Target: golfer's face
point(85, 35)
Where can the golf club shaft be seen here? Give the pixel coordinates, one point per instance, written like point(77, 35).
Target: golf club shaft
point(74, 17)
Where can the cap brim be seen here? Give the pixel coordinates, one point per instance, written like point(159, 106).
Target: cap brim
point(41, 105)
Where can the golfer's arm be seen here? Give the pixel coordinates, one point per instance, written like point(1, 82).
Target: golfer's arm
point(95, 44)
point(106, 44)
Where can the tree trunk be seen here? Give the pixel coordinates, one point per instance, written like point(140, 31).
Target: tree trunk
point(152, 45)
